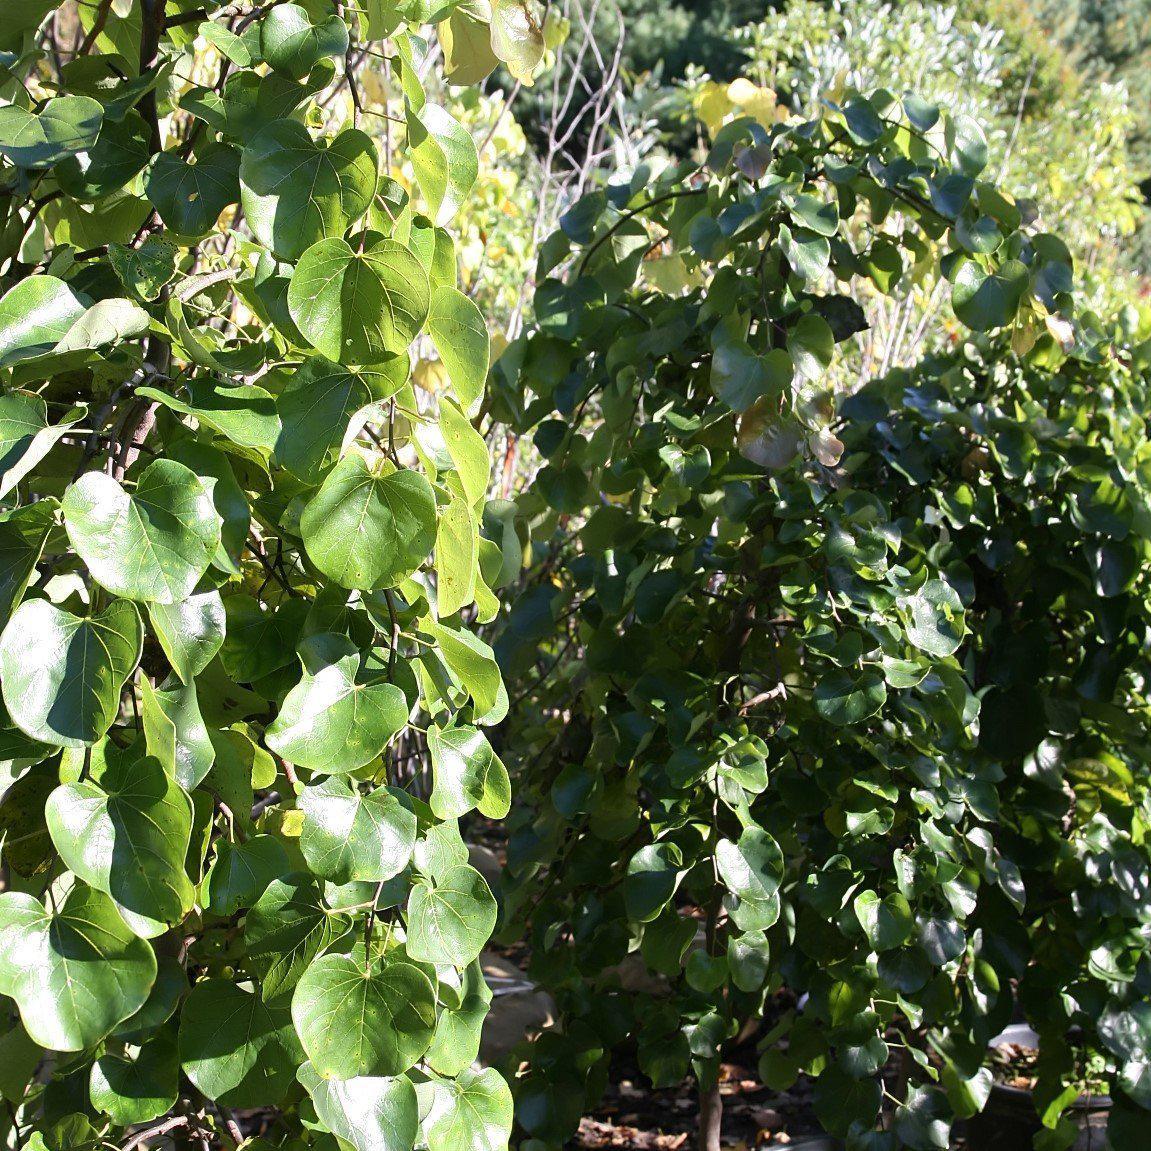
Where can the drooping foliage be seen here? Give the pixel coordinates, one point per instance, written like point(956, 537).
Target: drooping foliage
point(238, 549)
point(831, 695)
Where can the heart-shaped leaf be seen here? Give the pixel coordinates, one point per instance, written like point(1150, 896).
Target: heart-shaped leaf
point(470, 1113)
point(127, 836)
point(359, 307)
point(296, 191)
point(175, 731)
point(370, 528)
point(26, 437)
point(35, 315)
point(287, 928)
point(152, 544)
point(444, 159)
point(241, 872)
point(450, 917)
point(348, 836)
point(459, 1027)
point(236, 1049)
point(190, 195)
point(191, 631)
point(75, 973)
point(844, 699)
point(244, 414)
point(467, 774)
point(752, 867)
point(336, 719)
point(318, 405)
point(368, 1114)
point(23, 533)
point(293, 45)
point(517, 38)
point(62, 674)
point(985, 299)
point(64, 127)
point(139, 1089)
point(460, 334)
point(358, 1018)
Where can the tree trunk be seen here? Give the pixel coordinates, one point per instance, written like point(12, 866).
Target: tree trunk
point(710, 1116)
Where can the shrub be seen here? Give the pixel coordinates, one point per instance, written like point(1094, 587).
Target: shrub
point(226, 645)
point(811, 696)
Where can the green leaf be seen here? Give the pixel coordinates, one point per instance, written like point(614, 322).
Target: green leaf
point(348, 836)
point(886, 922)
point(517, 38)
point(23, 533)
point(145, 271)
point(152, 544)
point(444, 159)
point(458, 1030)
point(370, 528)
point(238, 764)
point(843, 699)
point(811, 344)
point(287, 928)
point(752, 867)
point(259, 640)
point(140, 1089)
point(653, 874)
point(368, 1114)
point(457, 553)
point(235, 1049)
point(175, 731)
point(190, 631)
point(62, 674)
point(466, 39)
point(319, 406)
point(296, 191)
point(468, 450)
point(467, 774)
point(293, 45)
point(35, 315)
point(26, 437)
point(935, 619)
point(474, 663)
point(336, 719)
point(451, 917)
point(75, 973)
point(120, 154)
point(359, 307)
point(740, 377)
point(808, 253)
point(19, 1059)
point(358, 1018)
point(189, 196)
point(169, 989)
point(244, 414)
point(65, 126)
point(241, 872)
point(471, 1113)
point(127, 836)
point(984, 299)
point(460, 334)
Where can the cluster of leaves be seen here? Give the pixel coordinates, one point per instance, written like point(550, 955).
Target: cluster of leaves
point(238, 551)
point(1064, 144)
point(832, 699)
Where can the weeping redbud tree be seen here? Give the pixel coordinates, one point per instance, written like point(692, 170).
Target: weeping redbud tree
point(239, 557)
point(828, 699)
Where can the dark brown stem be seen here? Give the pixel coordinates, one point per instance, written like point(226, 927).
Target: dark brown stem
point(142, 417)
point(97, 27)
point(142, 1137)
